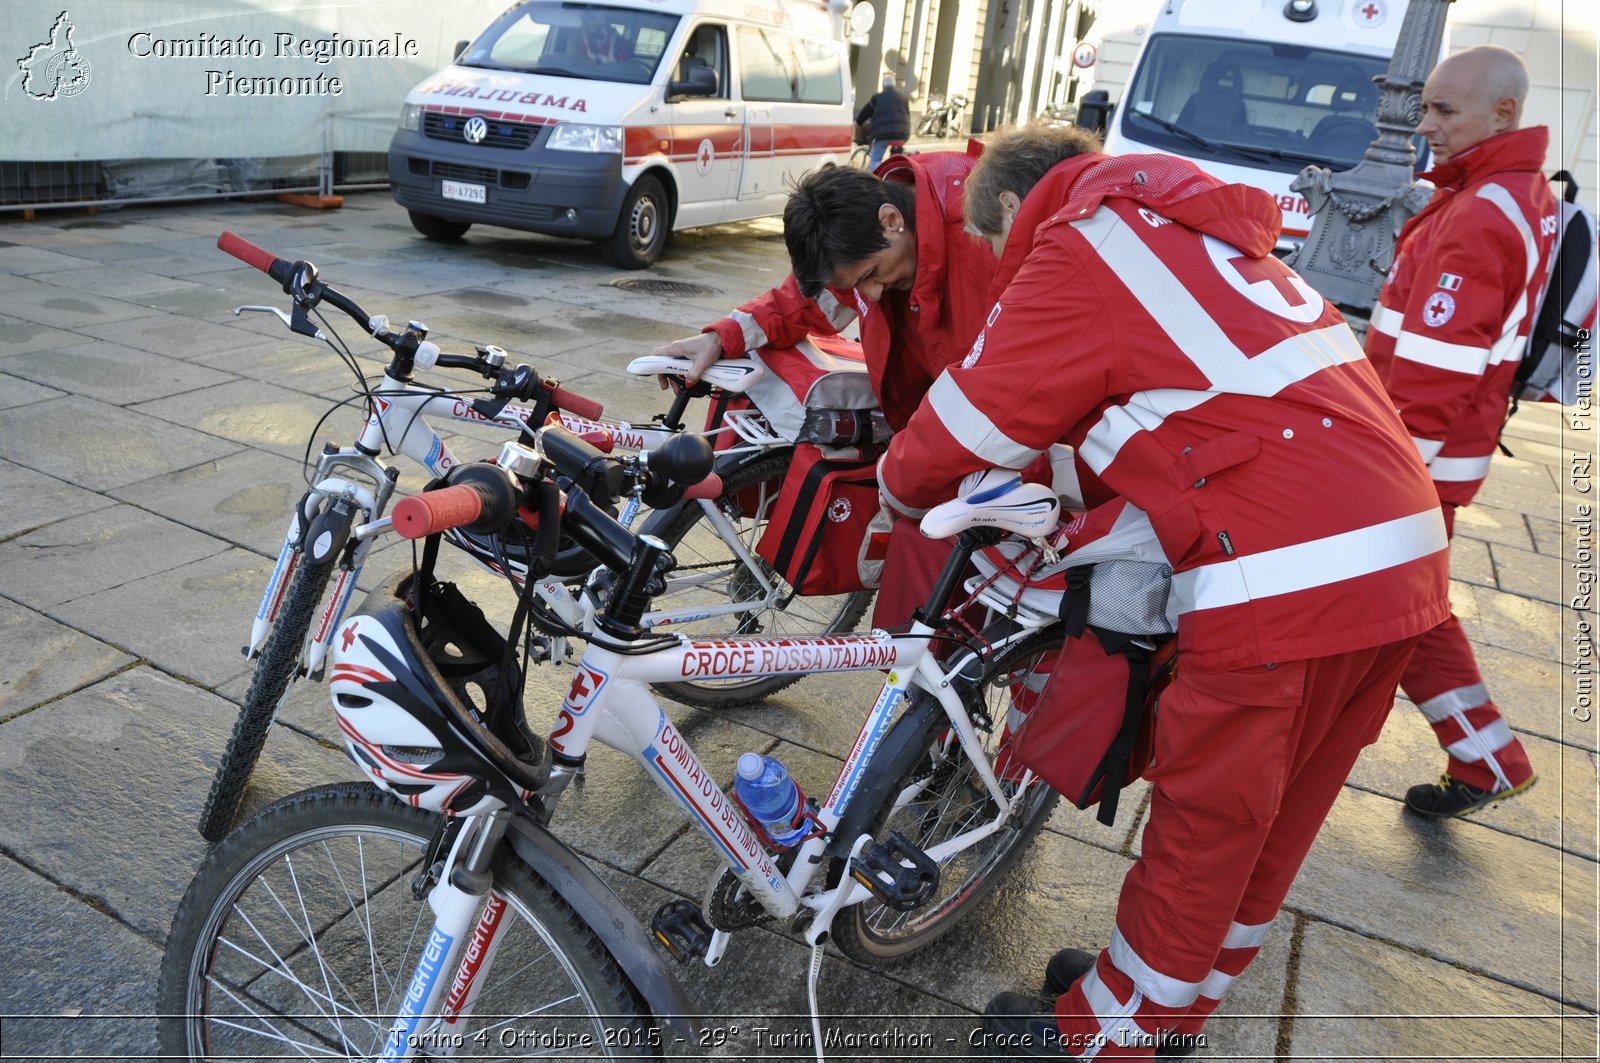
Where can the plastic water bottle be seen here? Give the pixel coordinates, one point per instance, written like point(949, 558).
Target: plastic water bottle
point(772, 798)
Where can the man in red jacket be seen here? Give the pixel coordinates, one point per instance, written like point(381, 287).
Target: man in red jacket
point(890, 251)
point(1140, 316)
point(1451, 324)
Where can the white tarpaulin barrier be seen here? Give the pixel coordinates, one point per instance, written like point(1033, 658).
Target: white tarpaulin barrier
point(218, 82)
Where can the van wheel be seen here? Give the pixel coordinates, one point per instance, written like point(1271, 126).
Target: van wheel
point(641, 232)
point(438, 228)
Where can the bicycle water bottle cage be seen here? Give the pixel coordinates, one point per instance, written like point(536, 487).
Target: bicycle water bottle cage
point(682, 930)
point(881, 868)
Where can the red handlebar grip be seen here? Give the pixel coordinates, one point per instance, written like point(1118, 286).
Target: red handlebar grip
point(431, 512)
point(574, 403)
point(246, 252)
point(710, 487)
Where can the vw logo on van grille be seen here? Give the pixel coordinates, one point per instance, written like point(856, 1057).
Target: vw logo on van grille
point(475, 130)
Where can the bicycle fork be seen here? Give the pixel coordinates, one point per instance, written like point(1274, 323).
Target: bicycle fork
point(463, 940)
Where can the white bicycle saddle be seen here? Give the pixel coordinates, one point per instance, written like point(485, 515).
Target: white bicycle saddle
point(730, 374)
point(995, 498)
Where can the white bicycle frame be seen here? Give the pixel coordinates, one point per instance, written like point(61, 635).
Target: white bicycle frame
point(398, 423)
point(610, 702)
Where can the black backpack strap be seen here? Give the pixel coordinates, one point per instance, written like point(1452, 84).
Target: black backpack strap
point(1074, 609)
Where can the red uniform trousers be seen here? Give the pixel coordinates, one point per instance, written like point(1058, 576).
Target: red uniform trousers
point(1248, 763)
point(910, 569)
point(1444, 681)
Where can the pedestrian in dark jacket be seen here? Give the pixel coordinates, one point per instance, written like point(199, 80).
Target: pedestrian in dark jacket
point(890, 116)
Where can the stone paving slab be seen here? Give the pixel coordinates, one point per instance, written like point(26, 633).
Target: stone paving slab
point(97, 834)
point(257, 414)
point(15, 391)
point(245, 498)
point(23, 336)
point(99, 446)
point(112, 373)
point(48, 659)
point(95, 552)
point(48, 304)
point(203, 609)
point(30, 500)
point(122, 281)
point(1347, 985)
point(1500, 905)
point(173, 335)
point(55, 1005)
point(1533, 575)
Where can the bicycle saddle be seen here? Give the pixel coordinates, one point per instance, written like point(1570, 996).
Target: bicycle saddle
point(730, 374)
point(995, 498)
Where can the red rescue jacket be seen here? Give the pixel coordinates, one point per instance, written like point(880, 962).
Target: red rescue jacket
point(1142, 318)
point(907, 337)
point(1453, 317)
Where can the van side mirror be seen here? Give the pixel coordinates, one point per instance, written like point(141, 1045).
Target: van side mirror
point(1094, 111)
point(697, 81)
point(461, 49)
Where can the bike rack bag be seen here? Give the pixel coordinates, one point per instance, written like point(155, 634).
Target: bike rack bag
point(827, 534)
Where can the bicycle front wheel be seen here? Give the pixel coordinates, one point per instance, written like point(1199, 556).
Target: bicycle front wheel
point(940, 797)
point(275, 671)
point(710, 574)
point(300, 933)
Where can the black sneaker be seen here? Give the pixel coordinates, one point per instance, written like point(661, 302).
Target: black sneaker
point(1069, 965)
point(1449, 797)
point(1021, 1024)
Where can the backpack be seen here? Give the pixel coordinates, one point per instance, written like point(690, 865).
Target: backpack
point(1558, 365)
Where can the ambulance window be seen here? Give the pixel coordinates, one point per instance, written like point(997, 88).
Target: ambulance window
point(766, 65)
point(821, 73)
point(708, 47)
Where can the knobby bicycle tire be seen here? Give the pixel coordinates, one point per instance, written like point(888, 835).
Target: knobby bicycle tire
point(696, 546)
point(275, 670)
point(300, 932)
point(949, 800)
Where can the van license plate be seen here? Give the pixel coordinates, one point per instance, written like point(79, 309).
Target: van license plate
point(465, 193)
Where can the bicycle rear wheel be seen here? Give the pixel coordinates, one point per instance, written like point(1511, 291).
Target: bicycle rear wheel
point(275, 671)
point(709, 573)
point(300, 933)
point(939, 797)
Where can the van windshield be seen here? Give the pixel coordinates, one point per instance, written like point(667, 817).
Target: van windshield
point(592, 41)
point(1278, 106)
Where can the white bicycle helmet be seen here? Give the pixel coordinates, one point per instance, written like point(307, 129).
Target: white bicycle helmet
point(428, 700)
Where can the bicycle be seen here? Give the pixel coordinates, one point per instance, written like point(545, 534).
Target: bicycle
point(725, 587)
point(943, 116)
point(342, 923)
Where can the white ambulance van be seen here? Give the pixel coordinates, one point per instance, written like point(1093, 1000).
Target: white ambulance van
point(622, 121)
point(1253, 91)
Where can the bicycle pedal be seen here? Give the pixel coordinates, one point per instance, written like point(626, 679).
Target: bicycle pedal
point(881, 868)
point(682, 930)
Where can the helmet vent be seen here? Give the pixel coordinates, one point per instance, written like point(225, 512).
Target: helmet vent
point(417, 756)
point(353, 701)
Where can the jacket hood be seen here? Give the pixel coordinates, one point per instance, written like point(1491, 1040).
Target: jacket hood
point(939, 178)
point(1245, 217)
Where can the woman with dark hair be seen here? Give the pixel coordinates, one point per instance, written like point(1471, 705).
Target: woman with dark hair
point(890, 250)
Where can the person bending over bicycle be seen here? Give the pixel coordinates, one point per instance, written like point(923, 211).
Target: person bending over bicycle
point(889, 250)
point(1143, 319)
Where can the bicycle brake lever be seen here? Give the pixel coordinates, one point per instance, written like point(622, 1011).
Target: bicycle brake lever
point(283, 316)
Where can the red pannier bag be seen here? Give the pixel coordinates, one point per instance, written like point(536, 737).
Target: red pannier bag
point(827, 534)
point(1090, 731)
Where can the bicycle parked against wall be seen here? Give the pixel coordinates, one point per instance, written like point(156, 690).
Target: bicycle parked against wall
point(722, 586)
point(943, 116)
point(342, 923)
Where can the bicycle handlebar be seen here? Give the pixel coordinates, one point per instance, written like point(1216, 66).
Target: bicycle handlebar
point(420, 516)
point(283, 271)
point(279, 269)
